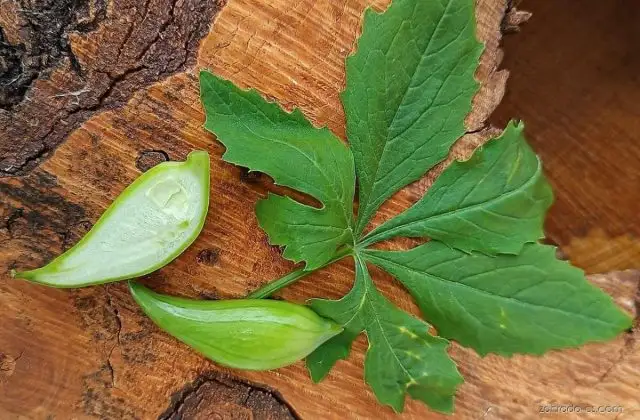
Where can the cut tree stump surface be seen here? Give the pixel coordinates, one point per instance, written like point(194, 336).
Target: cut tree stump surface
point(575, 81)
point(107, 89)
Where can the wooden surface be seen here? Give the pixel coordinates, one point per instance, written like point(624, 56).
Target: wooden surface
point(122, 95)
point(579, 100)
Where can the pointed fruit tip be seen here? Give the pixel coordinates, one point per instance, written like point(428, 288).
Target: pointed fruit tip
point(198, 155)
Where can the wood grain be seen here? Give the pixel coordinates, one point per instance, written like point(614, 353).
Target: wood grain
point(578, 98)
point(91, 353)
point(66, 60)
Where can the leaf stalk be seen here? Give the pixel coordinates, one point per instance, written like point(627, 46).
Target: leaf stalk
point(290, 278)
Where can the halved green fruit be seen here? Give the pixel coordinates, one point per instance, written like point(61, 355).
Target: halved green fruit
point(152, 222)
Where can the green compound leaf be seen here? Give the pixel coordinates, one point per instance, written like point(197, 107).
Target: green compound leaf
point(409, 88)
point(263, 137)
point(403, 358)
point(495, 202)
point(529, 303)
point(482, 280)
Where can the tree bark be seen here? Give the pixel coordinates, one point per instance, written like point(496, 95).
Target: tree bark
point(103, 90)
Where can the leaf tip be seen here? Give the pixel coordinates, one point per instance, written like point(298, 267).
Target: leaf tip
point(628, 321)
point(316, 375)
point(204, 72)
point(398, 409)
point(516, 124)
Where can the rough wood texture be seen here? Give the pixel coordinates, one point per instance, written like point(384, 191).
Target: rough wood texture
point(129, 100)
point(65, 60)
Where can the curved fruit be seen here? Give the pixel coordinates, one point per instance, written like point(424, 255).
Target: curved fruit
point(152, 222)
point(255, 334)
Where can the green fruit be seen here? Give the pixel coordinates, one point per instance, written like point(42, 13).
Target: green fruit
point(148, 225)
point(254, 334)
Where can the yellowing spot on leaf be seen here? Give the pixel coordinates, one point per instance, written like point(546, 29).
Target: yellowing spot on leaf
point(411, 383)
point(413, 355)
point(405, 331)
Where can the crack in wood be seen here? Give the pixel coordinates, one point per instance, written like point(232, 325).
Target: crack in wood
point(147, 159)
point(167, 44)
point(213, 394)
point(116, 314)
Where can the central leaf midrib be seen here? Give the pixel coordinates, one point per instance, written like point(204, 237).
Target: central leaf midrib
point(360, 224)
point(418, 64)
point(450, 213)
point(297, 149)
point(366, 300)
point(386, 340)
point(451, 283)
